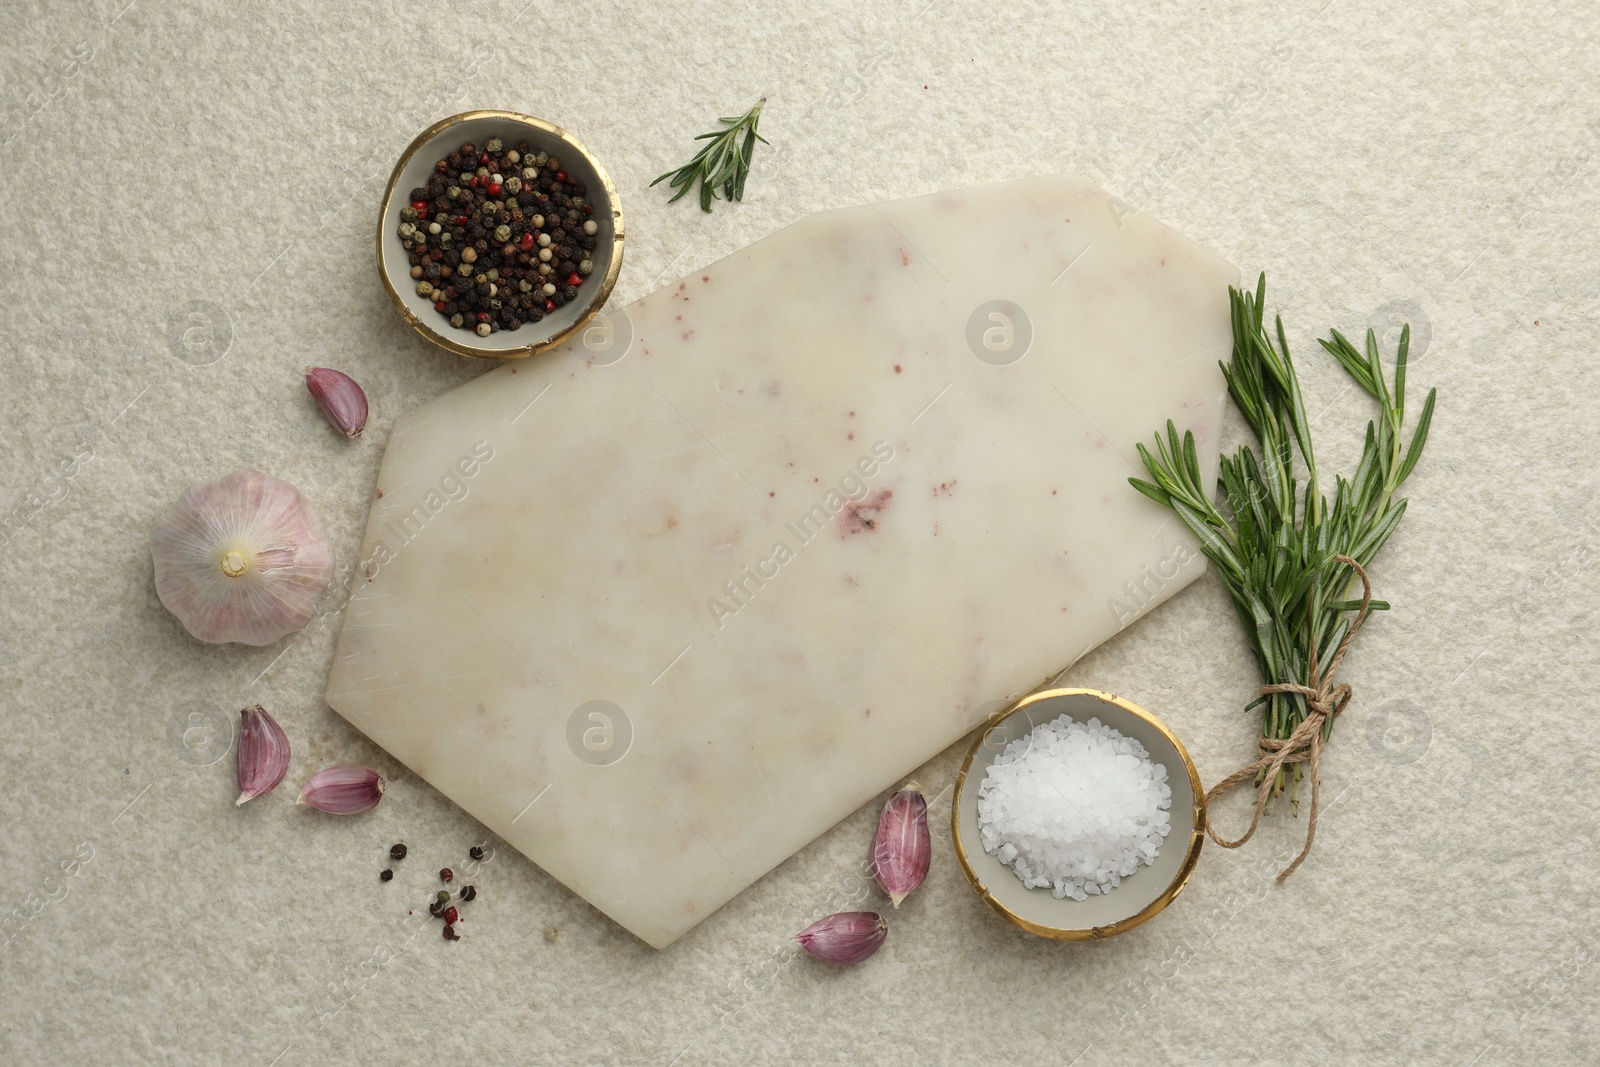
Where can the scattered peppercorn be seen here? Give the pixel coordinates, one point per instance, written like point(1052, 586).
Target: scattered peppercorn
point(386, 875)
point(489, 209)
point(475, 852)
point(468, 893)
point(450, 933)
point(451, 915)
point(436, 909)
point(397, 852)
point(446, 874)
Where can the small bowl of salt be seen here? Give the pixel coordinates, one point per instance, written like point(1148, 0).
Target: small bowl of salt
point(1077, 815)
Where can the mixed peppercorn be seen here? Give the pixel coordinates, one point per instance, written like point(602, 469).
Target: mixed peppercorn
point(441, 908)
point(499, 237)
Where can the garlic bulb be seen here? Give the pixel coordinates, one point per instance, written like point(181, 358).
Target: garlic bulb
point(243, 558)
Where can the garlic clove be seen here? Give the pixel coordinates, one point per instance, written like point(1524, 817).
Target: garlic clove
point(262, 758)
point(243, 558)
point(343, 790)
point(902, 850)
point(845, 937)
point(339, 398)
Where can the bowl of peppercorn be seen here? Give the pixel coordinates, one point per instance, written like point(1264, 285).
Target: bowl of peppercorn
point(500, 235)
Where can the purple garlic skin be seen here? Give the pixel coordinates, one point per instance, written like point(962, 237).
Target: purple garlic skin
point(243, 558)
point(902, 850)
point(339, 398)
point(845, 937)
point(343, 790)
point(262, 758)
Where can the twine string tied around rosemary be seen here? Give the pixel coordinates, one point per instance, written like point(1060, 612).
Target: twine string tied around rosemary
point(1324, 702)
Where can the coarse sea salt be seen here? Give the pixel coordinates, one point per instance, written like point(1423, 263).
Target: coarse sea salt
point(1075, 807)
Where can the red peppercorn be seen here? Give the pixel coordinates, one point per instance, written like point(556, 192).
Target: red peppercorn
point(483, 316)
point(438, 305)
point(451, 915)
point(420, 205)
point(549, 305)
point(561, 175)
point(494, 188)
point(483, 160)
point(440, 166)
point(574, 279)
point(461, 220)
point(450, 933)
point(474, 183)
point(445, 873)
point(526, 244)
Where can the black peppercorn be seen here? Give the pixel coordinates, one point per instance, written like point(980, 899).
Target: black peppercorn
point(385, 875)
point(475, 852)
point(436, 909)
point(468, 892)
point(397, 852)
point(450, 933)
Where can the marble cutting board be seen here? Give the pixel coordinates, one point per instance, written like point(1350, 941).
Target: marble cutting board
point(660, 607)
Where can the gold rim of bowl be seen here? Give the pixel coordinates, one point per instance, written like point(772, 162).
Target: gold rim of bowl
point(1196, 837)
point(598, 297)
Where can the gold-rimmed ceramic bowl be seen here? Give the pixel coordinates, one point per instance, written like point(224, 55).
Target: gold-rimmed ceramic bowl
point(413, 170)
point(1141, 895)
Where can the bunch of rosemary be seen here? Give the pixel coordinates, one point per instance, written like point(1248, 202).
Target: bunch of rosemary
point(1278, 549)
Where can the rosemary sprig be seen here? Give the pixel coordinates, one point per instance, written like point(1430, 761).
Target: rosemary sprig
point(1275, 548)
point(725, 162)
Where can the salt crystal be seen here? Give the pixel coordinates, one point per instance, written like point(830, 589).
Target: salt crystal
point(1074, 807)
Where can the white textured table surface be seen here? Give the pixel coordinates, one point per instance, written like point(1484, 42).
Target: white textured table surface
point(189, 204)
